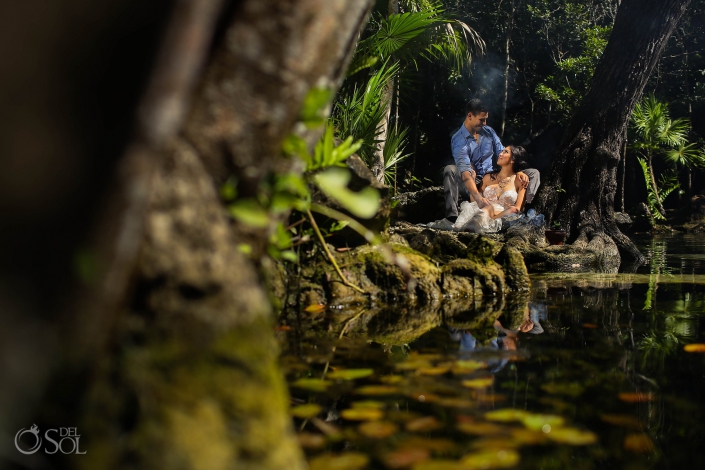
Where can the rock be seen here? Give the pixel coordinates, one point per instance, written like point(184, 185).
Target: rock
point(623, 221)
point(421, 206)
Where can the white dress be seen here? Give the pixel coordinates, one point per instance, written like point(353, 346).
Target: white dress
point(474, 219)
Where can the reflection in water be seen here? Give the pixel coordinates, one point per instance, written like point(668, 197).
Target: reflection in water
point(590, 372)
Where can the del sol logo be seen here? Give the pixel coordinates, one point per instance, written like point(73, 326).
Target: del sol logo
point(64, 440)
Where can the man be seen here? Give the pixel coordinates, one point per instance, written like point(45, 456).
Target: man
point(475, 148)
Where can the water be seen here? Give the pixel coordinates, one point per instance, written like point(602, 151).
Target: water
point(601, 381)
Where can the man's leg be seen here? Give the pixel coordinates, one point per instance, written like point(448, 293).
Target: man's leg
point(534, 183)
point(452, 188)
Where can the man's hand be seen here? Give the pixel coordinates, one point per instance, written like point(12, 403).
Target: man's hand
point(523, 179)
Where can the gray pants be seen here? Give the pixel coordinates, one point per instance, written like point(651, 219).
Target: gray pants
point(455, 191)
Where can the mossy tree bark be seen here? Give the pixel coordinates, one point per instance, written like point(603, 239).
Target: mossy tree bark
point(580, 189)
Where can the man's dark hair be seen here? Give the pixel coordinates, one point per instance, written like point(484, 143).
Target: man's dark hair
point(475, 107)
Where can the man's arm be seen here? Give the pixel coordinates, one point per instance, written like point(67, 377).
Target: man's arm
point(459, 147)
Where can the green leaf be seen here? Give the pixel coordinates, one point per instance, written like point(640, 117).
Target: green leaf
point(249, 212)
point(333, 182)
point(289, 255)
point(350, 374)
point(314, 112)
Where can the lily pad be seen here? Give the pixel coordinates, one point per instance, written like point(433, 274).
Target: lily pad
point(306, 411)
point(636, 397)
point(491, 459)
point(572, 436)
point(537, 422)
point(368, 404)
point(377, 429)
point(438, 370)
point(404, 458)
point(362, 414)
point(345, 461)
point(467, 366)
point(425, 424)
point(315, 385)
point(482, 382)
point(378, 390)
point(480, 429)
point(438, 465)
point(639, 443)
point(350, 374)
point(506, 415)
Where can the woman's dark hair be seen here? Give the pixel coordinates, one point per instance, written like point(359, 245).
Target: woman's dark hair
point(519, 160)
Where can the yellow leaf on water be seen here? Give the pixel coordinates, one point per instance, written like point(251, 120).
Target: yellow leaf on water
point(316, 385)
point(439, 370)
point(636, 397)
point(350, 374)
point(537, 422)
point(391, 379)
point(506, 415)
point(377, 429)
point(480, 429)
point(404, 458)
point(572, 436)
point(306, 411)
point(625, 421)
point(309, 440)
point(694, 348)
point(527, 436)
point(362, 414)
point(438, 465)
point(482, 382)
point(378, 390)
point(315, 308)
point(491, 458)
point(425, 424)
point(368, 404)
point(413, 364)
point(639, 443)
point(345, 461)
point(466, 366)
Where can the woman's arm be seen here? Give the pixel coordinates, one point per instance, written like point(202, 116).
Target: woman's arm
point(516, 208)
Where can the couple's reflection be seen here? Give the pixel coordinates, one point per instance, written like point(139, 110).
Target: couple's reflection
point(506, 339)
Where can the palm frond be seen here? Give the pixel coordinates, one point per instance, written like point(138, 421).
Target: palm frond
point(393, 152)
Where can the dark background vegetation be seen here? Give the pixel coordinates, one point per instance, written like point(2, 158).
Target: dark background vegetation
point(541, 31)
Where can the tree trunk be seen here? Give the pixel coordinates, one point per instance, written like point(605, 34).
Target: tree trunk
point(170, 341)
point(507, 59)
point(586, 164)
point(377, 166)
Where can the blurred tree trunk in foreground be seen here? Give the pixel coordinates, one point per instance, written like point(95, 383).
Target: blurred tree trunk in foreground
point(580, 189)
point(168, 349)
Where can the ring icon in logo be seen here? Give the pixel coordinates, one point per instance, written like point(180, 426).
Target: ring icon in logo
point(38, 440)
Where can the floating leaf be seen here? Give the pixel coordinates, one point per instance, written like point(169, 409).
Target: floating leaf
point(506, 415)
point(441, 446)
point(315, 308)
point(350, 374)
point(425, 424)
point(309, 440)
point(625, 421)
point(527, 436)
point(571, 389)
point(422, 396)
point(572, 436)
point(456, 403)
point(377, 429)
point(391, 379)
point(438, 370)
point(306, 411)
point(378, 390)
point(694, 348)
point(414, 364)
point(491, 459)
point(482, 382)
point(368, 404)
point(466, 366)
point(316, 385)
point(636, 397)
point(345, 461)
point(333, 182)
point(438, 465)
point(537, 422)
point(362, 414)
point(480, 429)
point(639, 443)
point(403, 458)
point(496, 443)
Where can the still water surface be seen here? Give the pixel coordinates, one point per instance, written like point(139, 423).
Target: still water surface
point(601, 379)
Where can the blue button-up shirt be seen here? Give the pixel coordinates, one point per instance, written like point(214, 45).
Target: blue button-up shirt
point(470, 154)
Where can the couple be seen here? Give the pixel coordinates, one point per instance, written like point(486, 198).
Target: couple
point(475, 147)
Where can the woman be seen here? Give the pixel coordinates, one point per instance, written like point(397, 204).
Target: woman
point(502, 195)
